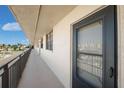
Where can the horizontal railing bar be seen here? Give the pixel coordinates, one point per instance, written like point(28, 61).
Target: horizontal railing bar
point(12, 58)
point(11, 70)
point(13, 62)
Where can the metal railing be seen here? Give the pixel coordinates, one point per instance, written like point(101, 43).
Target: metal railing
point(11, 71)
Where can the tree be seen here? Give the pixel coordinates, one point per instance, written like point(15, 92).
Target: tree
point(3, 45)
point(14, 47)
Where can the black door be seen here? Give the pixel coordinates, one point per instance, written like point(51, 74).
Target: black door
point(94, 50)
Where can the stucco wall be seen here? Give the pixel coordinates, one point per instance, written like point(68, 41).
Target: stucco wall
point(59, 60)
point(120, 16)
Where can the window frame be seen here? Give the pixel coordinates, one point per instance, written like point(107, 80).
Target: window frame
point(110, 52)
point(49, 41)
point(41, 42)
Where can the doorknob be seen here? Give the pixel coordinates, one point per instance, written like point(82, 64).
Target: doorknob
point(111, 72)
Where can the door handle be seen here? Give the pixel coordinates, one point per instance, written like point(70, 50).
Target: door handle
point(111, 72)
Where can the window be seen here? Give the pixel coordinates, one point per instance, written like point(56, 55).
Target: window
point(89, 59)
point(94, 50)
point(49, 41)
point(41, 43)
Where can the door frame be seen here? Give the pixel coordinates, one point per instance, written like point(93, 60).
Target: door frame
point(89, 20)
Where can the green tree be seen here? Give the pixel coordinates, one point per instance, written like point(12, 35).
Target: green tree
point(14, 47)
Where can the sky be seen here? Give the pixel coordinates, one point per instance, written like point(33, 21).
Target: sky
point(10, 30)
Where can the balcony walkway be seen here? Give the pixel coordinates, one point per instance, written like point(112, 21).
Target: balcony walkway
point(37, 74)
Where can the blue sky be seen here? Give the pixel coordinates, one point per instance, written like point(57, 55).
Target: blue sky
point(10, 30)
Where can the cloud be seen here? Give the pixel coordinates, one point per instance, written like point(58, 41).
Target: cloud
point(14, 26)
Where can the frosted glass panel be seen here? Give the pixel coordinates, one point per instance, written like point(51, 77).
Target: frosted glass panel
point(89, 60)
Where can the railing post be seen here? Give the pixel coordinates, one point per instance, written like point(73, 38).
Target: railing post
point(12, 73)
point(5, 77)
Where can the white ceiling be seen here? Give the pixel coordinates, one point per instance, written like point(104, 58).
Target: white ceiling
point(37, 20)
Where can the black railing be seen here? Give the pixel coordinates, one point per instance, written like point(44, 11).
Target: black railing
point(10, 72)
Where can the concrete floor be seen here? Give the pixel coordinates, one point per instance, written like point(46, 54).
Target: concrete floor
point(37, 74)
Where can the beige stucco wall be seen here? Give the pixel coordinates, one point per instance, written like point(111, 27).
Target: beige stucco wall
point(120, 21)
point(59, 60)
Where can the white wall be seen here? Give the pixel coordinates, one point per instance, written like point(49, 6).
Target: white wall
point(120, 21)
point(59, 60)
